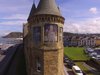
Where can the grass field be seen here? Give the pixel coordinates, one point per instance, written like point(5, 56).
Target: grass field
point(75, 53)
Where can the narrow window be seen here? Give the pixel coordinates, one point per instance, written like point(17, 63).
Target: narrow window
point(37, 35)
point(38, 65)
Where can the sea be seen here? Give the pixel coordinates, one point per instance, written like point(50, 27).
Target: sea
point(7, 42)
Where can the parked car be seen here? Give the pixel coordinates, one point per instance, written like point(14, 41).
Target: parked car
point(77, 70)
point(92, 54)
point(65, 59)
point(88, 50)
point(97, 57)
point(70, 64)
point(97, 48)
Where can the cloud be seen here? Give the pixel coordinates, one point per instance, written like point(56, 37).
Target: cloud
point(93, 10)
point(12, 23)
point(16, 12)
point(91, 25)
point(15, 6)
point(16, 16)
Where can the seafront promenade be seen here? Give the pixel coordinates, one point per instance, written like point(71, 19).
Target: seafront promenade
point(5, 59)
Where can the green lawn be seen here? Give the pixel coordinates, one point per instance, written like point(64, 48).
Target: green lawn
point(75, 53)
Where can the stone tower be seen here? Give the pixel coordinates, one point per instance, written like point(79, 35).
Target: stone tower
point(43, 39)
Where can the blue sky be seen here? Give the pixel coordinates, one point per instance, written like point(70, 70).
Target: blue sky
point(82, 16)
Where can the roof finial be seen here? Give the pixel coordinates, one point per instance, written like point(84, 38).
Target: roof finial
point(33, 1)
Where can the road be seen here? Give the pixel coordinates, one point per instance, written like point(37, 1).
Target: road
point(65, 70)
point(68, 71)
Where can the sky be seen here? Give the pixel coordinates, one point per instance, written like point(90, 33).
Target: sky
point(81, 16)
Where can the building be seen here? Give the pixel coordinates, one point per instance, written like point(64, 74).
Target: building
point(90, 40)
point(43, 39)
point(98, 41)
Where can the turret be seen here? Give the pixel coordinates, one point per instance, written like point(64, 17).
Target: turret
point(44, 54)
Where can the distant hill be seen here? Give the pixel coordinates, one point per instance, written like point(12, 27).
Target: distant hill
point(79, 34)
point(14, 35)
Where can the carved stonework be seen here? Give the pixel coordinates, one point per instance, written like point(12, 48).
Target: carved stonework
point(47, 18)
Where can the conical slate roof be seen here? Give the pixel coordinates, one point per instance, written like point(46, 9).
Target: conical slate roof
point(47, 7)
point(32, 11)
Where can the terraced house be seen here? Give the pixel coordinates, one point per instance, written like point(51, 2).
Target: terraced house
point(82, 40)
